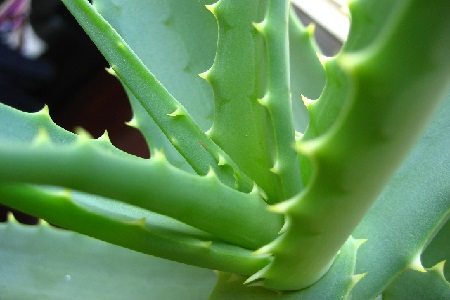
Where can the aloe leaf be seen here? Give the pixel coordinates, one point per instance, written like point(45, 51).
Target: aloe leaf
point(277, 98)
point(252, 114)
point(21, 128)
point(176, 40)
point(306, 72)
point(172, 118)
point(368, 23)
point(18, 126)
point(409, 212)
point(413, 284)
point(41, 262)
point(376, 128)
point(336, 284)
point(152, 238)
point(241, 126)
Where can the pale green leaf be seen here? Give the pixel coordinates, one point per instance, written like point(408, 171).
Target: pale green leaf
point(412, 208)
point(413, 284)
point(176, 40)
point(41, 262)
point(335, 284)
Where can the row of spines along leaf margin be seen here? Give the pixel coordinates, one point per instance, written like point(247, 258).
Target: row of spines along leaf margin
point(387, 89)
point(375, 75)
point(253, 117)
point(170, 116)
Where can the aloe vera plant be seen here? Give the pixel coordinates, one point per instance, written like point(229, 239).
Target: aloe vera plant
point(346, 196)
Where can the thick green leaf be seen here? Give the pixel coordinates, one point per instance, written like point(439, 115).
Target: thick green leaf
point(176, 40)
point(412, 208)
point(41, 262)
point(21, 128)
point(151, 184)
point(171, 116)
point(336, 284)
point(413, 284)
point(307, 74)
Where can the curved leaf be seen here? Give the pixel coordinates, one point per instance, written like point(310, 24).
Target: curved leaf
point(411, 209)
point(177, 41)
point(41, 262)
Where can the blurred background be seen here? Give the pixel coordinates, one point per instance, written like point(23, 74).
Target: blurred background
point(47, 59)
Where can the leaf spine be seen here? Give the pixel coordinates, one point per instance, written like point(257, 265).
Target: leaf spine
point(357, 277)
point(257, 276)
point(43, 223)
point(205, 75)
point(44, 111)
point(211, 174)
point(42, 137)
point(307, 148)
point(11, 219)
point(439, 267)
point(276, 169)
point(416, 264)
point(307, 102)
point(208, 132)
point(282, 207)
point(133, 122)
point(266, 249)
point(158, 155)
point(264, 101)
point(178, 112)
point(104, 137)
point(310, 29)
point(111, 71)
point(285, 225)
point(359, 242)
point(324, 60)
point(212, 8)
point(260, 27)
point(222, 160)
